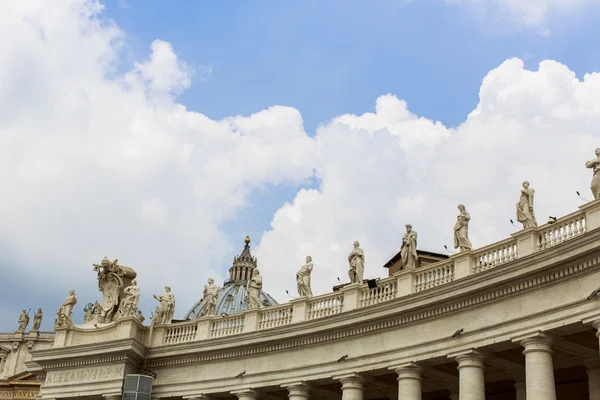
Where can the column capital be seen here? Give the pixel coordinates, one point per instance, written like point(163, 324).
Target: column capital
point(410, 370)
point(200, 396)
point(298, 388)
point(469, 358)
point(245, 394)
point(352, 380)
point(535, 342)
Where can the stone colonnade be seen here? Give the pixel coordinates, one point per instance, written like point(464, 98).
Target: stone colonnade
point(538, 385)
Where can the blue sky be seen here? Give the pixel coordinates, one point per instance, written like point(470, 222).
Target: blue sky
point(98, 168)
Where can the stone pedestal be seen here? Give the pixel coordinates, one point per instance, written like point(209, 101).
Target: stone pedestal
point(409, 382)
point(539, 369)
point(352, 387)
point(471, 379)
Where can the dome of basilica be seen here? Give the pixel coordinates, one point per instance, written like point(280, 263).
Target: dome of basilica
point(232, 296)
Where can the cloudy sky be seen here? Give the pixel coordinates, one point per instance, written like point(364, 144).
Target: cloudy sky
point(161, 133)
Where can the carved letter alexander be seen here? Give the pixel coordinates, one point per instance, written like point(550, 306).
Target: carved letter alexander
point(84, 375)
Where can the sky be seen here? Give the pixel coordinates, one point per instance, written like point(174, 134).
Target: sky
point(162, 133)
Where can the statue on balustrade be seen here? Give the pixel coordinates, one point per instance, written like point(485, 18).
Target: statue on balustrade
point(595, 165)
point(303, 278)
point(461, 230)
point(166, 309)
point(253, 289)
point(209, 300)
point(63, 315)
point(23, 321)
point(525, 214)
point(356, 259)
point(129, 304)
point(408, 251)
point(89, 313)
point(37, 320)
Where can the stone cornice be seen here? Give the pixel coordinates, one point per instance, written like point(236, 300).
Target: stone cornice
point(525, 274)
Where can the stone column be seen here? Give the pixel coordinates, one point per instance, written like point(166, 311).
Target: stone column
point(246, 394)
point(520, 388)
point(539, 370)
point(471, 379)
point(409, 381)
point(298, 391)
point(593, 373)
point(352, 387)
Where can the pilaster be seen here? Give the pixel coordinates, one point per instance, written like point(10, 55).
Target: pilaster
point(528, 241)
point(463, 264)
point(406, 282)
point(251, 320)
point(300, 309)
point(351, 296)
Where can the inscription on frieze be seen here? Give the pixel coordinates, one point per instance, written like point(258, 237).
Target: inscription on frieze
point(84, 375)
point(19, 394)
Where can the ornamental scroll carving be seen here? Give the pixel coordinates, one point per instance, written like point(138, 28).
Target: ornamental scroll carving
point(115, 282)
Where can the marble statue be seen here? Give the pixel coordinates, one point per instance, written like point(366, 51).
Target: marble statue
point(166, 308)
point(89, 313)
point(356, 259)
point(23, 321)
point(303, 278)
point(209, 301)
point(461, 230)
point(63, 316)
point(113, 280)
point(408, 251)
point(129, 304)
point(525, 214)
point(595, 165)
point(253, 289)
point(37, 320)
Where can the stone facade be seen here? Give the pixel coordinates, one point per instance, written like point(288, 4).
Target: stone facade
point(512, 320)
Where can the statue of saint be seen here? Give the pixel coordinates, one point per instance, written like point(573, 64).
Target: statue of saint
point(63, 316)
point(303, 278)
point(525, 214)
point(209, 300)
point(23, 321)
point(37, 321)
point(89, 313)
point(408, 251)
point(166, 308)
point(461, 230)
point(253, 289)
point(129, 304)
point(595, 164)
point(356, 259)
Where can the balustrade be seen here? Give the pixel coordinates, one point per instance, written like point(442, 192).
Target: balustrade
point(495, 254)
point(563, 229)
point(386, 290)
point(275, 316)
point(228, 325)
point(181, 333)
point(323, 306)
point(434, 275)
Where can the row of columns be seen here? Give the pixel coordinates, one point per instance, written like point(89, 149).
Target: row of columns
point(539, 377)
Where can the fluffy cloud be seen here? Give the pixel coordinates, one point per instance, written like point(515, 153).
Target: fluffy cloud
point(380, 171)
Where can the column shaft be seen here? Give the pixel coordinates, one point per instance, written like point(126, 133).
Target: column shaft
point(300, 391)
point(539, 369)
point(471, 378)
point(409, 382)
point(594, 382)
point(352, 387)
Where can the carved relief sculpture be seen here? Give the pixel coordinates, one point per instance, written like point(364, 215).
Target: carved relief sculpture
point(37, 320)
point(525, 214)
point(595, 165)
point(166, 309)
point(461, 230)
point(23, 321)
point(408, 251)
point(129, 304)
point(112, 279)
point(63, 316)
point(209, 301)
point(303, 278)
point(253, 289)
point(356, 259)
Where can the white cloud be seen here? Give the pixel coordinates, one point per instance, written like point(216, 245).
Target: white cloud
point(380, 171)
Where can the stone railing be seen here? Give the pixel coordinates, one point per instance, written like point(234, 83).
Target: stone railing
point(325, 305)
point(227, 325)
point(180, 333)
point(495, 254)
point(350, 297)
point(272, 317)
point(563, 229)
point(434, 275)
point(386, 289)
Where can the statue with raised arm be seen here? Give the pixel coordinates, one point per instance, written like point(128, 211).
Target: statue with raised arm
point(461, 230)
point(356, 259)
point(525, 214)
point(253, 289)
point(303, 278)
point(37, 321)
point(63, 316)
point(595, 165)
point(129, 303)
point(166, 309)
point(209, 300)
point(23, 321)
point(408, 251)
